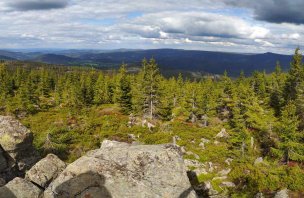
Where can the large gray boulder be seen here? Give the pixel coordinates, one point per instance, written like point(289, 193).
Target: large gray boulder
point(123, 170)
point(17, 141)
point(20, 188)
point(14, 137)
point(46, 170)
point(16, 150)
point(282, 194)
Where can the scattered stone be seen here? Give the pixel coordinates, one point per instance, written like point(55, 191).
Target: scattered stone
point(132, 137)
point(282, 194)
point(202, 145)
point(259, 160)
point(183, 150)
point(228, 161)
point(46, 170)
point(189, 153)
point(216, 142)
point(178, 138)
point(224, 172)
point(193, 163)
point(123, 170)
point(209, 189)
point(228, 184)
point(200, 171)
point(259, 195)
point(210, 167)
point(205, 140)
point(196, 156)
point(148, 124)
point(222, 134)
point(220, 178)
point(193, 118)
point(132, 120)
point(20, 188)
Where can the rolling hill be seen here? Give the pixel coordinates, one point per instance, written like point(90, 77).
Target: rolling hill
point(171, 61)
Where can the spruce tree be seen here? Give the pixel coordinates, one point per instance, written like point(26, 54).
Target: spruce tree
point(124, 97)
point(290, 146)
point(295, 77)
point(150, 87)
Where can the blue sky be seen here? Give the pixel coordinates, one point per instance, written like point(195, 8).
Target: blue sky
point(223, 25)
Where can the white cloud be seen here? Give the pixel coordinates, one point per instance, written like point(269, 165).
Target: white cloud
point(195, 24)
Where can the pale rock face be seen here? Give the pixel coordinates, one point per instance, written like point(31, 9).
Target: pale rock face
point(228, 184)
point(259, 160)
point(282, 194)
point(16, 150)
point(124, 170)
point(228, 161)
point(17, 141)
point(20, 188)
point(14, 136)
point(259, 195)
point(202, 145)
point(46, 170)
point(224, 172)
point(222, 134)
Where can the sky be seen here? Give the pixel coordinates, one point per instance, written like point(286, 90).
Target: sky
point(223, 25)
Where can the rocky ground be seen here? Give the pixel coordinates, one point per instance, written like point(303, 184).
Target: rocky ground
point(114, 170)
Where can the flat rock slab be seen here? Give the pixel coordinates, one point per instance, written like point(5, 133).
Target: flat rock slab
point(46, 170)
point(20, 188)
point(122, 170)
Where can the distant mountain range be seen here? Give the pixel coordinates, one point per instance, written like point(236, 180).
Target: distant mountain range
point(171, 61)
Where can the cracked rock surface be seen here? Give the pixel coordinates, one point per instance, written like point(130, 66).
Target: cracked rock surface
point(124, 170)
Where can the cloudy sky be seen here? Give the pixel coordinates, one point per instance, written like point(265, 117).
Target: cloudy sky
point(222, 25)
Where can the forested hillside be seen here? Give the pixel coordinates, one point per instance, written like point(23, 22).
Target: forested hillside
point(192, 63)
point(71, 110)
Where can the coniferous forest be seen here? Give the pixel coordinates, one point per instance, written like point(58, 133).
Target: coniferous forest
point(253, 125)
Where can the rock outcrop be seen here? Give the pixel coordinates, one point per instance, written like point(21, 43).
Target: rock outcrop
point(124, 170)
point(14, 137)
point(16, 150)
point(282, 194)
point(114, 170)
point(20, 188)
point(45, 171)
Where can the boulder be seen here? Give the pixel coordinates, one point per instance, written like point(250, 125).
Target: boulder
point(20, 188)
point(224, 172)
point(46, 170)
point(205, 140)
point(258, 160)
point(17, 141)
point(259, 195)
point(14, 137)
point(228, 161)
point(209, 189)
point(124, 170)
point(222, 134)
point(228, 184)
point(282, 194)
